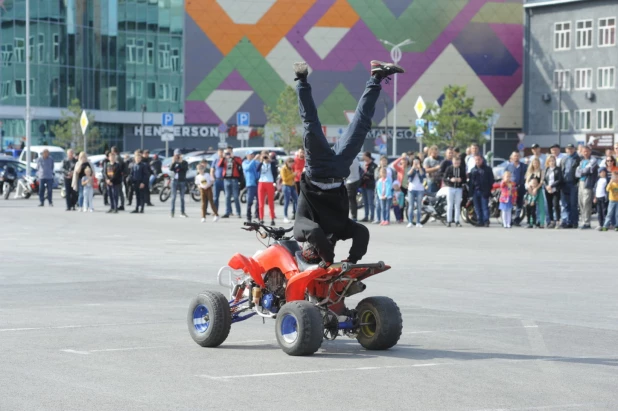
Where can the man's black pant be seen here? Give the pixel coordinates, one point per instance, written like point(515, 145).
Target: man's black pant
point(129, 187)
point(352, 189)
point(146, 195)
point(139, 197)
point(71, 195)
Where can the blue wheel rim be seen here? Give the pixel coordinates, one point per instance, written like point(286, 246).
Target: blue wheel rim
point(201, 320)
point(289, 329)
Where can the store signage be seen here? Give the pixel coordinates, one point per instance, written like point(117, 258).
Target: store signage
point(179, 131)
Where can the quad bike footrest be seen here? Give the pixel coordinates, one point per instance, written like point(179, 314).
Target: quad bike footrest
point(345, 266)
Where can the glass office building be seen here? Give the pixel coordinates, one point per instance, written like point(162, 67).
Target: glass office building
point(115, 56)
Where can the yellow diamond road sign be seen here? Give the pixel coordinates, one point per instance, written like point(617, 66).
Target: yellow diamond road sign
point(83, 121)
point(420, 107)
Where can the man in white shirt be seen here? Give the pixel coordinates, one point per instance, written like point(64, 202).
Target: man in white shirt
point(536, 153)
point(555, 151)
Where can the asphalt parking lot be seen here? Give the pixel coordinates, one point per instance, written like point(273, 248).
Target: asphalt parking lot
point(93, 317)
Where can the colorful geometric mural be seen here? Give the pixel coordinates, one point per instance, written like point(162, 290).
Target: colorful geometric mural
point(239, 54)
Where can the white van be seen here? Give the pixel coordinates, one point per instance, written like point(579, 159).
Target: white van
point(56, 153)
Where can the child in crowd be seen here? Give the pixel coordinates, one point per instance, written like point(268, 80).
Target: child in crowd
point(600, 196)
point(88, 185)
point(612, 210)
point(534, 199)
point(416, 190)
point(288, 178)
point(205, 181)
point(389, 175)
point(508, 198)
point(384, 194)
point(398, 201)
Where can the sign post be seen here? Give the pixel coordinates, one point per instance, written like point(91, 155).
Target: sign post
point(83, 122)
point(167, 132)
point(419, 109)
point(492, 123)
point(243, 120)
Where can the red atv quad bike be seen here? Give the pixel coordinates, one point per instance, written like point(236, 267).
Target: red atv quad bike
point(306, 301)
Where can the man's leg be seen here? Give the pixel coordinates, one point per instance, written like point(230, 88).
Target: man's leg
point(587, 211)
point(476, 200)
point(42, 191)
point(50, 185)
point(307, 230)
point(565, 195)
point(68, 197)
point(574, 210)
point(251, 197)
point(485, 204)
point(236, 194)
point(227, 189)
point(173, 200)
point(360, 240)
point(183, 189)
point(120, 195)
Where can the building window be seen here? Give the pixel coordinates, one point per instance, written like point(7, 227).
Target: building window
point(130, 51)
point(607, 32)
point(606, 77)
point(139, 47)
point(7, 54)
point(150, 53)
point(164, 92)
point(135, 88)
point(563, 121)
point(562, 36)
point(583, 34)
point(583, 79)
point(56, 46)
point(152, 90)
point(582, 120)
point(20, 87)
point(19, 49)
point(175, 94)
point(562, 79)
point(5, 89)
point(41, 48)
point(164, 56)
point(605, 119)
point(175, 60)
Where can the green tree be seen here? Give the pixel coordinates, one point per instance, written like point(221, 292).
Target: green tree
point(68, 131)
point(284, 115)
point(455, 123)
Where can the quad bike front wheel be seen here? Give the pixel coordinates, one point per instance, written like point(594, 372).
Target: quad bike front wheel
point(380, 323)
point(209, 319)
point(299, 328)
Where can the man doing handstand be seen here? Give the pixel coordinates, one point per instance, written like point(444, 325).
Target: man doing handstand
point(323, 211)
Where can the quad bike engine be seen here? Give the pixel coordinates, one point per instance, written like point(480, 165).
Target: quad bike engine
point(274, 294)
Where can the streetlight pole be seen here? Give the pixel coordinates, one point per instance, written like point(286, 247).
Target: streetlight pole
point(396, 57)
point(142, 133)
point(27, 119)
point(560, 113)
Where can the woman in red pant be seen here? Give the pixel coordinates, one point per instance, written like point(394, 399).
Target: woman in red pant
point(268, 172)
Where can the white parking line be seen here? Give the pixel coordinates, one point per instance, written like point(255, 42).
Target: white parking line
point(64, 327)
point(543, 407)
point(87, 352)
point(469, 329)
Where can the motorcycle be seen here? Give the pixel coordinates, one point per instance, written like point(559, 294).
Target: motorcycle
point(9, 179)
point(434, 205)
point(26, 186)
point(306, 301)
point(191, 189)
point(494, 206)
point(160, 182)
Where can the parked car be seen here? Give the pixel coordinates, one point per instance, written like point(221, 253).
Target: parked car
point(56, 153)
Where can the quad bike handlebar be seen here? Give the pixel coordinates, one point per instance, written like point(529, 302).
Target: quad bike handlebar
point(276, 233)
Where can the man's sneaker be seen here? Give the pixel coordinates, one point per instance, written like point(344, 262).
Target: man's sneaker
point(448, 225)
point(286, 221)
point(419, 225)
point(272, 223)
point(203, 220)
point(601, 228)
point(585, 227)
point(382, 69)
point(215, 219)
point(225, 216)
point(301, 70)
point(120, 209)
point(183, 215)
point(410, 225)
point(457, 225)
point(376, 221)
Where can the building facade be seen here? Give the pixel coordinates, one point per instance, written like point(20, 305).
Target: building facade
point(114, 56)
point(570, 72)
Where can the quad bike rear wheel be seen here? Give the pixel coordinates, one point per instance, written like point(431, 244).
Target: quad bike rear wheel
point(299, 328)
point(209, 319)
point(380, 323)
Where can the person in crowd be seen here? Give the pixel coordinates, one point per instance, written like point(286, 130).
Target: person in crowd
point(609, 162)
point(389, 175)
point(398, 201)
point(384, 192)
point(368, 186)
point(113, 180)
point(471, 157)
point(139, 177)
point(552, 183)
point(156, 168)
point(104, 188)
point(80, 171)
point(123, 174)
point(535, 170)
point(508, 198)
point(616, 150)
point(45, 173)
point(146, 159)
point(416, 191)
point(481, 181)
point(569, 190)
point(87, 183)
point(588, 174)
point(612, 209)
point(600, 196)
point(299, 166)
point(249, 168)
point(268, 173)
point(448, 161)
point(555, 151)
point(128, 184)
point(68, 167)
point(532, 198)
point(232, 170)
point(289, 189)
point(178, 169)
point(432, 166)
point(536, 153)
point(216, 172)
point(402, 165)
point(352, 184)
point(454, 179)
point(204, 182)
point(518, 174)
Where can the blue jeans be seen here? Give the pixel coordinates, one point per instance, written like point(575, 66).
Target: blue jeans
point(378, 203)
point(80, 194)
point(432, 187)
point(113, 196)
point(481, 207)
point(251, 197)
point(151, 181)
point(385, 204)
point(368, 201)
point(43, 182)
point(321, 160)
point(218, 188)
point(289, 194)
point(182, 186)
point(569, 199)
point(232, 189)
point(415, 197)
point(612, 215)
